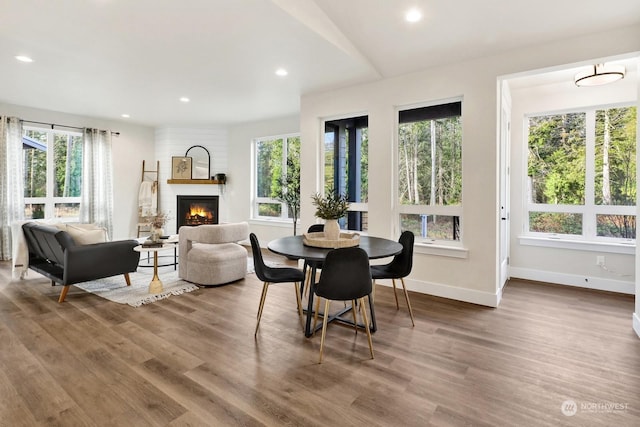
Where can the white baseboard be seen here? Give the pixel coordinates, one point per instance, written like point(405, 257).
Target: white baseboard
point(451, 292)
point(599, 283)
point(636, 324)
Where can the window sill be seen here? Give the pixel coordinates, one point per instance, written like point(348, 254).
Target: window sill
point(560, 243)
point(441, 250)
point(276, 222)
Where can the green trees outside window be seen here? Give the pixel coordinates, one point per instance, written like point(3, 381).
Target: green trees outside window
point(278, 177)
point(430, 171)
point(582, 173)
point(346, 167)
point(52, 173)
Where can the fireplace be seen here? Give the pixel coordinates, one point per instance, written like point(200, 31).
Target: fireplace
point(197, 210)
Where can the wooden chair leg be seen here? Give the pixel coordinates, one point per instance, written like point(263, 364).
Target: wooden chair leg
point(296, 287)
point(262, 298)
point(324, 328)
point(127, 279)
point(366, 325)
point(406, 296)
point(307, 280)
point(264, 287)
point(315, 316)
point(354, 307)
point(394, 293)
point(63, 293)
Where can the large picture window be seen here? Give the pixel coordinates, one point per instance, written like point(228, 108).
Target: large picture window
point(582, 174)
point(430, 171)
point(346, 167)
point(52, 173)
point(276, 158)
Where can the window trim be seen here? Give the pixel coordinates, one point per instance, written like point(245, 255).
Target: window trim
point(588, 239)
point(563, 241)
point(453, 248)
point(50, 200)
point(353, 206)
point(284, 209)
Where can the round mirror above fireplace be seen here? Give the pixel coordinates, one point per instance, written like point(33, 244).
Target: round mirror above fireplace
point(201, 164)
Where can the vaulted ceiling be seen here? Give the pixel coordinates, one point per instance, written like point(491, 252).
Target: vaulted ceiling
point(105, 58)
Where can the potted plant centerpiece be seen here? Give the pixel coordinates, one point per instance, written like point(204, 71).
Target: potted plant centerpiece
point(331, 207)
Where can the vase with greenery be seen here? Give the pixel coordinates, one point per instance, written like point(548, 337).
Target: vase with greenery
point(156, 224)
point(331, 207)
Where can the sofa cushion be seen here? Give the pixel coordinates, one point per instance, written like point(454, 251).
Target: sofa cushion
point(203, 253)
point(86, 234)
point(210, 265)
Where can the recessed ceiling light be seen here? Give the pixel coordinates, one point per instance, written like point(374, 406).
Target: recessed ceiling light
point(126, 116)
point(23, 58)
point(184, 99)
point(413, 15)
point(281, 72)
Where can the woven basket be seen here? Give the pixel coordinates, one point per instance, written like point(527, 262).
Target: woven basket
point(318, 240)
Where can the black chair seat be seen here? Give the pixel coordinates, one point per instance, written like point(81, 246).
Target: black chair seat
point(385, 272)
point(281, 274)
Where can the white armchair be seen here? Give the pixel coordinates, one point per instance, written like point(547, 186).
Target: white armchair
point(210, 254)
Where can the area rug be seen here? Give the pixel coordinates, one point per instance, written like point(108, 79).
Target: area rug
point(115, 288)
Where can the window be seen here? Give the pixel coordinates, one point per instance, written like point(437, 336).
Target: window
point(52, 173)
point(430, 171)
point(582, 174)
point(276, 159)
point(346, 167)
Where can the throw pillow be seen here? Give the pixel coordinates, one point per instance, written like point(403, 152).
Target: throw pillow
point(83, 235)
point(59, 225)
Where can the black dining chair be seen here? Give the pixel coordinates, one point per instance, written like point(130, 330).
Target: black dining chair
point(399, 268)
point(308, 265)
point(345, 277)
point(270, 275)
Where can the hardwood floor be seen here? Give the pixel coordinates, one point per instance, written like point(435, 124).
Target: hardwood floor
point(192, 360)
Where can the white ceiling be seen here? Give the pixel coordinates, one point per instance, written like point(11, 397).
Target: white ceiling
point(104, 58)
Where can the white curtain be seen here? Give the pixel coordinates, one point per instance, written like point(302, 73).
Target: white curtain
point(96, 203)
point(11, 180)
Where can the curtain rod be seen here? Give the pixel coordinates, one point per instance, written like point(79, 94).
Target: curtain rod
point(62, 126)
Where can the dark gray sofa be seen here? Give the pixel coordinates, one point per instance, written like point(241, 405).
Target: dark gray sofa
point(54, 254)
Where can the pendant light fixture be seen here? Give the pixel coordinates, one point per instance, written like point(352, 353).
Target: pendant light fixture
point(600, 74)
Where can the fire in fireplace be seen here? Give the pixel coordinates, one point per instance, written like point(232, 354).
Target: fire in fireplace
point(197, 210)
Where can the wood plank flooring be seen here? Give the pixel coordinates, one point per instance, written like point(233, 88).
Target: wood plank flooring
point(192, 360)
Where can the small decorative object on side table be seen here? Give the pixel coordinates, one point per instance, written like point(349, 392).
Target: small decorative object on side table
point(155, 223)
point(151, 244)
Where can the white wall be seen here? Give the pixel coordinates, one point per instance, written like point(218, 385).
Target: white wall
point(472, 278)
point(240, 186)
point(134, 144)
point(174, 142)
point(566, 266)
